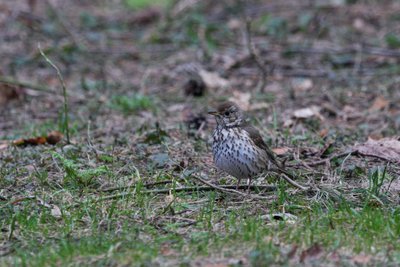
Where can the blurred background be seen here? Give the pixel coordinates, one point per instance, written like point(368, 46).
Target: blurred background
point(302, 66)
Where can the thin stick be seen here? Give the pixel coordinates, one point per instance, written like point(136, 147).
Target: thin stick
point(64, 89)
point(36, 87)
point(324, 161)
point(232, 191)
point(288, 177)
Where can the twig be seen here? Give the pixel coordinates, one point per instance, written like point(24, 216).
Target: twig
point(252, 51)
point(324, 161)
point(232, 191)
point(289, 178)
point(377, 51)
point(64, 89)
point(36, 87)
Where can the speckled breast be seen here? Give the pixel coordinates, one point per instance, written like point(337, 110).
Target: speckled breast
point(235, 153)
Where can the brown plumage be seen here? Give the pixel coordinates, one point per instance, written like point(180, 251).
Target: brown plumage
point(238, 147)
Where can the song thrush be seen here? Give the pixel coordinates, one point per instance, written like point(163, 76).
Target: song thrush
point(238, 147)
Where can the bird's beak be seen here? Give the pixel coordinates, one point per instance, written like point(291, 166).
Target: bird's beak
point(213, 112)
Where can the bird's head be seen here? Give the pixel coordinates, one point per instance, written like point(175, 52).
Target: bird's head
point(228, 114)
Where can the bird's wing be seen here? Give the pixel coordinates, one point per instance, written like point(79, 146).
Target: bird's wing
point(258, 141)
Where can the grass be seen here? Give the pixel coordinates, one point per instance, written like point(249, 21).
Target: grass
point(137, 4)
point(130, 104)
point(68, 218)
point(123, 231)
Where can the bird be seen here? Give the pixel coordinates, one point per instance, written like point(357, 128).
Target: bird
point(238, 148)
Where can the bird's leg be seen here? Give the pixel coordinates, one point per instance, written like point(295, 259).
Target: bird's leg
point(237, 185)
point(248, 185)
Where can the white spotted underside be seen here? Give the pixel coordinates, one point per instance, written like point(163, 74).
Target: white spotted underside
point(235, 153)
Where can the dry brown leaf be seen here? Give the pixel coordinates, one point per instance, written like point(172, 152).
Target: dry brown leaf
point(379, 103)
point(324, 132)
point(281, 150)
point(212, 80)
point(35, 141)
point(241, 99)
point(54, 137)
point(386, 148)
point(8, 92)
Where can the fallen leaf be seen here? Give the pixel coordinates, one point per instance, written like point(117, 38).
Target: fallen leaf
point(3, 145)
point(302, 84)
point(362, 259)
point(281, 150)
point(260, 105)
point(324, 132)
point(212, 80)
point(305, 113)
point(54, 137)
point(35, 141)
point(241, 99)
point(234, 24)
point(313, 252)
point(55, 211)
point(386, 148)
point(8, 92)
point(375, 136)
point(288, 123)
point(379, 104)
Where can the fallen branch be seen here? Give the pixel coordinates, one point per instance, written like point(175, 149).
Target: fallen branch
point(36, 87)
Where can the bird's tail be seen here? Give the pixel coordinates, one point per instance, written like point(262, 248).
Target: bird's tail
point(286, 175)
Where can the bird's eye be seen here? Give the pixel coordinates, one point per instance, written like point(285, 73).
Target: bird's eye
point(227, 113)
